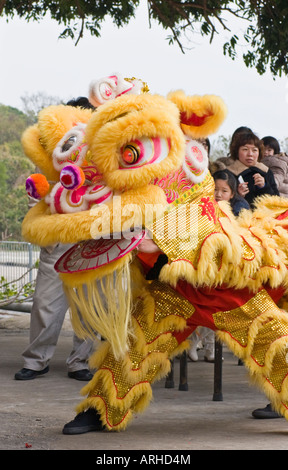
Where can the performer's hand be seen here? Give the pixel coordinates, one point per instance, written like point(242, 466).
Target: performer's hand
point(147, 246)
point(259, 180)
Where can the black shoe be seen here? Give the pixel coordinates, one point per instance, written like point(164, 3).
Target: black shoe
point(86, 421)
point(83, 374)
point(265, 413)
point(29, 374)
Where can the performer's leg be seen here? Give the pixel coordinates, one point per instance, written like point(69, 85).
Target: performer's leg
point(208, 339)
point(47, 316)
point(121, 388)
point(48, 313)
point(77, 362)
point(194, 341)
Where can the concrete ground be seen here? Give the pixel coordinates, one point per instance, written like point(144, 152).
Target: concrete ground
point(32, 413)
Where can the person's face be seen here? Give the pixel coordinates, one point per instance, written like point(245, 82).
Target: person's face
point(268, 152)
point(223, 192)
point(204, 143)
point(248, 154)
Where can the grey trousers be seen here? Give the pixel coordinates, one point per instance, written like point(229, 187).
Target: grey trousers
point(47, 316)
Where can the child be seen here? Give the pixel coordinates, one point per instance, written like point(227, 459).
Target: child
point(271, 146)
point(277, 162)
point(226, 190)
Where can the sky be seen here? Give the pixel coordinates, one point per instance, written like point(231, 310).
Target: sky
point(34, 60)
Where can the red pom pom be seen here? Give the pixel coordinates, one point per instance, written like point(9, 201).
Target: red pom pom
point(72, 177)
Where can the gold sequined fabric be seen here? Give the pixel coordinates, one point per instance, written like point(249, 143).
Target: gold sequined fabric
point(121, 385)
point(207, 245)
point(187, 223)
point(261, 331)
point(238, 321)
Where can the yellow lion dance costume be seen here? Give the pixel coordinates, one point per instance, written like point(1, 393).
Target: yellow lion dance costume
point(131, 171)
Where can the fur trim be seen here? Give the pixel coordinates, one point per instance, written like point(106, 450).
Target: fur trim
point(120, 389)
point(39, 141)
point(55, 121)
point(125, 119)
point(43, 229)
point(220, 164)
point(37, 154)
point(238, 167)
point(267, 366)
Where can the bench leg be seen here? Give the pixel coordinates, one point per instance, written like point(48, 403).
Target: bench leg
point(183, 383)
point(217, 396)
point(169, 383)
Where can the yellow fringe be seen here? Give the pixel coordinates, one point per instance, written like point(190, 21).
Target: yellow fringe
point(261, 374)
point(252, 251)
point(121, 388)
point(142, 397)
point(105, 308)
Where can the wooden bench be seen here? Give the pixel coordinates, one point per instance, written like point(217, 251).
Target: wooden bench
point(183, 378)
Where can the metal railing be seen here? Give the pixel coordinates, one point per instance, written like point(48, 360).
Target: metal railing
point(18, 271)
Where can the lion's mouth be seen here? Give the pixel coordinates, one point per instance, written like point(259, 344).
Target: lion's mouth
point(92, 254)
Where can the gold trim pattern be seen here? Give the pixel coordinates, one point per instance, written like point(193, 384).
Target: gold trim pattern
point(120, 388)
point(258, 333)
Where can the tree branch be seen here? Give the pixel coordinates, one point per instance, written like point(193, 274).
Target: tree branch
point(2, 5)
point(81, 31)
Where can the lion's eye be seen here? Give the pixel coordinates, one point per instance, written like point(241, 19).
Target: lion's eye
point(69, 143)
point(130, 154)
point(143, 151)
point(72, 148)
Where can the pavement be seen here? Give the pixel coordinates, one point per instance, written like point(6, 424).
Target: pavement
point(32, 413)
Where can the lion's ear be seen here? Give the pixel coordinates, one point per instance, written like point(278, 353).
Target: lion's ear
point(200, 116)
point(36, 153)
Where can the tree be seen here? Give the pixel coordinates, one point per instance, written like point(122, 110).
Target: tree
point(14, 169)
point(13, 197)
point(265, 23)
point(33, 103)
point(12, 123)
point(220, 147)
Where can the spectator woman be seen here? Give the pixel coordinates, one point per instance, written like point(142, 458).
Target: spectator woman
point(254, 178)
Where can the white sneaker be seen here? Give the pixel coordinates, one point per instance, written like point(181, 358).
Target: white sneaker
point(192, 354)
point(209, 354)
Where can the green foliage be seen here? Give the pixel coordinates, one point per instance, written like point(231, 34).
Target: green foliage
point(74, 15)
point(12, 124)
point(264, 25)
point(11, 292)
point(14, 169)
point(266, 36)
